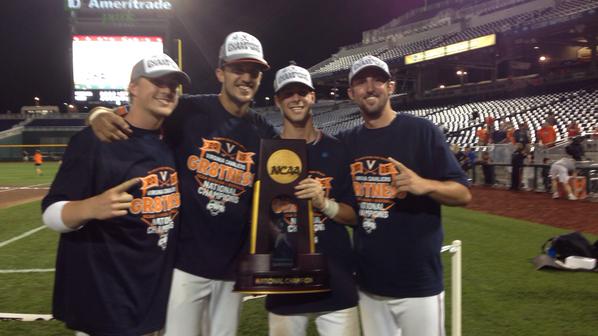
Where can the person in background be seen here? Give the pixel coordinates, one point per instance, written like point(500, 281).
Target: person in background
point(573, 129)
point(483, 135)
point(499, 136)
point(546, 181)
point(487, 168)
point(38, 160)
point(517, 160)
point(551, 119)
point(510, 133)
point(522, 135)
point(546, 135)
point(561, 172)
point(471, 156)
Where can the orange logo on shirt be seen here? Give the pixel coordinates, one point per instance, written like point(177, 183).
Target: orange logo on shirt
point(222, 171)
point(159, 203)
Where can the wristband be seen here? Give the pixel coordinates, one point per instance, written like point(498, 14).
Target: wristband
point(330, 208)
point(52, 217)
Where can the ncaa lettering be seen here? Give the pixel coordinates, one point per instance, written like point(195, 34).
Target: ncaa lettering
point(285, 170)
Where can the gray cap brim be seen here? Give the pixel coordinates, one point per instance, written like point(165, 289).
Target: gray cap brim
point(183, 77)
point(352, 75)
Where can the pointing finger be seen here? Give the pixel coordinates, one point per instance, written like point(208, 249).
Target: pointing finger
point(127, 184)
point(399, 165)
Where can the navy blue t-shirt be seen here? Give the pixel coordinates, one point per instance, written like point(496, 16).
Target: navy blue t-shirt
point(398, 239)
point(113, 276)
point(217, 157)
point(327, 162)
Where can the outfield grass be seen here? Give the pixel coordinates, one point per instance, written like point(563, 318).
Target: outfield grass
point(22, 174)
point(502, 293)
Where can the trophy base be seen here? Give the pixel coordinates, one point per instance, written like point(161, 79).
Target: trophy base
point(256, 275)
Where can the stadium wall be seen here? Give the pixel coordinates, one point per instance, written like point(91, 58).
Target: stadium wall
point(11, 153)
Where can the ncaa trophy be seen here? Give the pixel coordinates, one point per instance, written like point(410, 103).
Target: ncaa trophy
point(282, 257)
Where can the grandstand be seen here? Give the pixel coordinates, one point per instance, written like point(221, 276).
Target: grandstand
point(448, 22)
point(580, 105)
point(537, 57)
point(27, 132)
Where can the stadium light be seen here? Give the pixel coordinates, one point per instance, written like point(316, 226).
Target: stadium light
point(536, 47)
point(36, 99)
point(267, 99)
point(441, 86)
point(543, 58)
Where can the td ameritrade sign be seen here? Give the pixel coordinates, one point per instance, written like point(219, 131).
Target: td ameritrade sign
point(129, 5)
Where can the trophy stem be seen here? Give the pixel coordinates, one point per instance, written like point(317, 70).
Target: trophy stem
point(254, 216)
point(310, 228)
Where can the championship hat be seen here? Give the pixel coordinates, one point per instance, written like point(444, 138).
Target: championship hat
point(157, 66)
point(292, 74)
point(242, 47)
point(365, 62)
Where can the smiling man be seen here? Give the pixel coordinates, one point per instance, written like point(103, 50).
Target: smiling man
point(216, 139)
point(117, 205)
point(328, 188)
point(402, 172)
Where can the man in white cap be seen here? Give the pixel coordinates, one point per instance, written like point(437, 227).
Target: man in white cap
point(116, 207)
point(402, 172)
point(329, 189)
point(216, 139)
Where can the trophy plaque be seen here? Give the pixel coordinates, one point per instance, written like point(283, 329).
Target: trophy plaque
point(282, 257)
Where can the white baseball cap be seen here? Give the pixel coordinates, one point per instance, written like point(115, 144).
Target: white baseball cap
point(242, 47)
point(368, 61)
point(292, 74)
point(157, 66)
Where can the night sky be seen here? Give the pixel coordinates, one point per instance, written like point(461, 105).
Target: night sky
point(35, 36)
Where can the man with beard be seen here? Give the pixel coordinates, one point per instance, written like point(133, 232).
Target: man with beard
point(216, 139)
point(117, 205)
point(402, 172)
point(328, 188)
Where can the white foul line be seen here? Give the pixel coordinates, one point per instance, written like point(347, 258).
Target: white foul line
point(34, 186)
point(28, 233)
point(26, 317)
point(32, 270)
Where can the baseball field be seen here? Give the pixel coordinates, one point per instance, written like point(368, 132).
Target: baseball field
point(502, 292)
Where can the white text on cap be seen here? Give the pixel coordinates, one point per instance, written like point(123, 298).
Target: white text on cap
point(292, 74)
point(368, 61)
